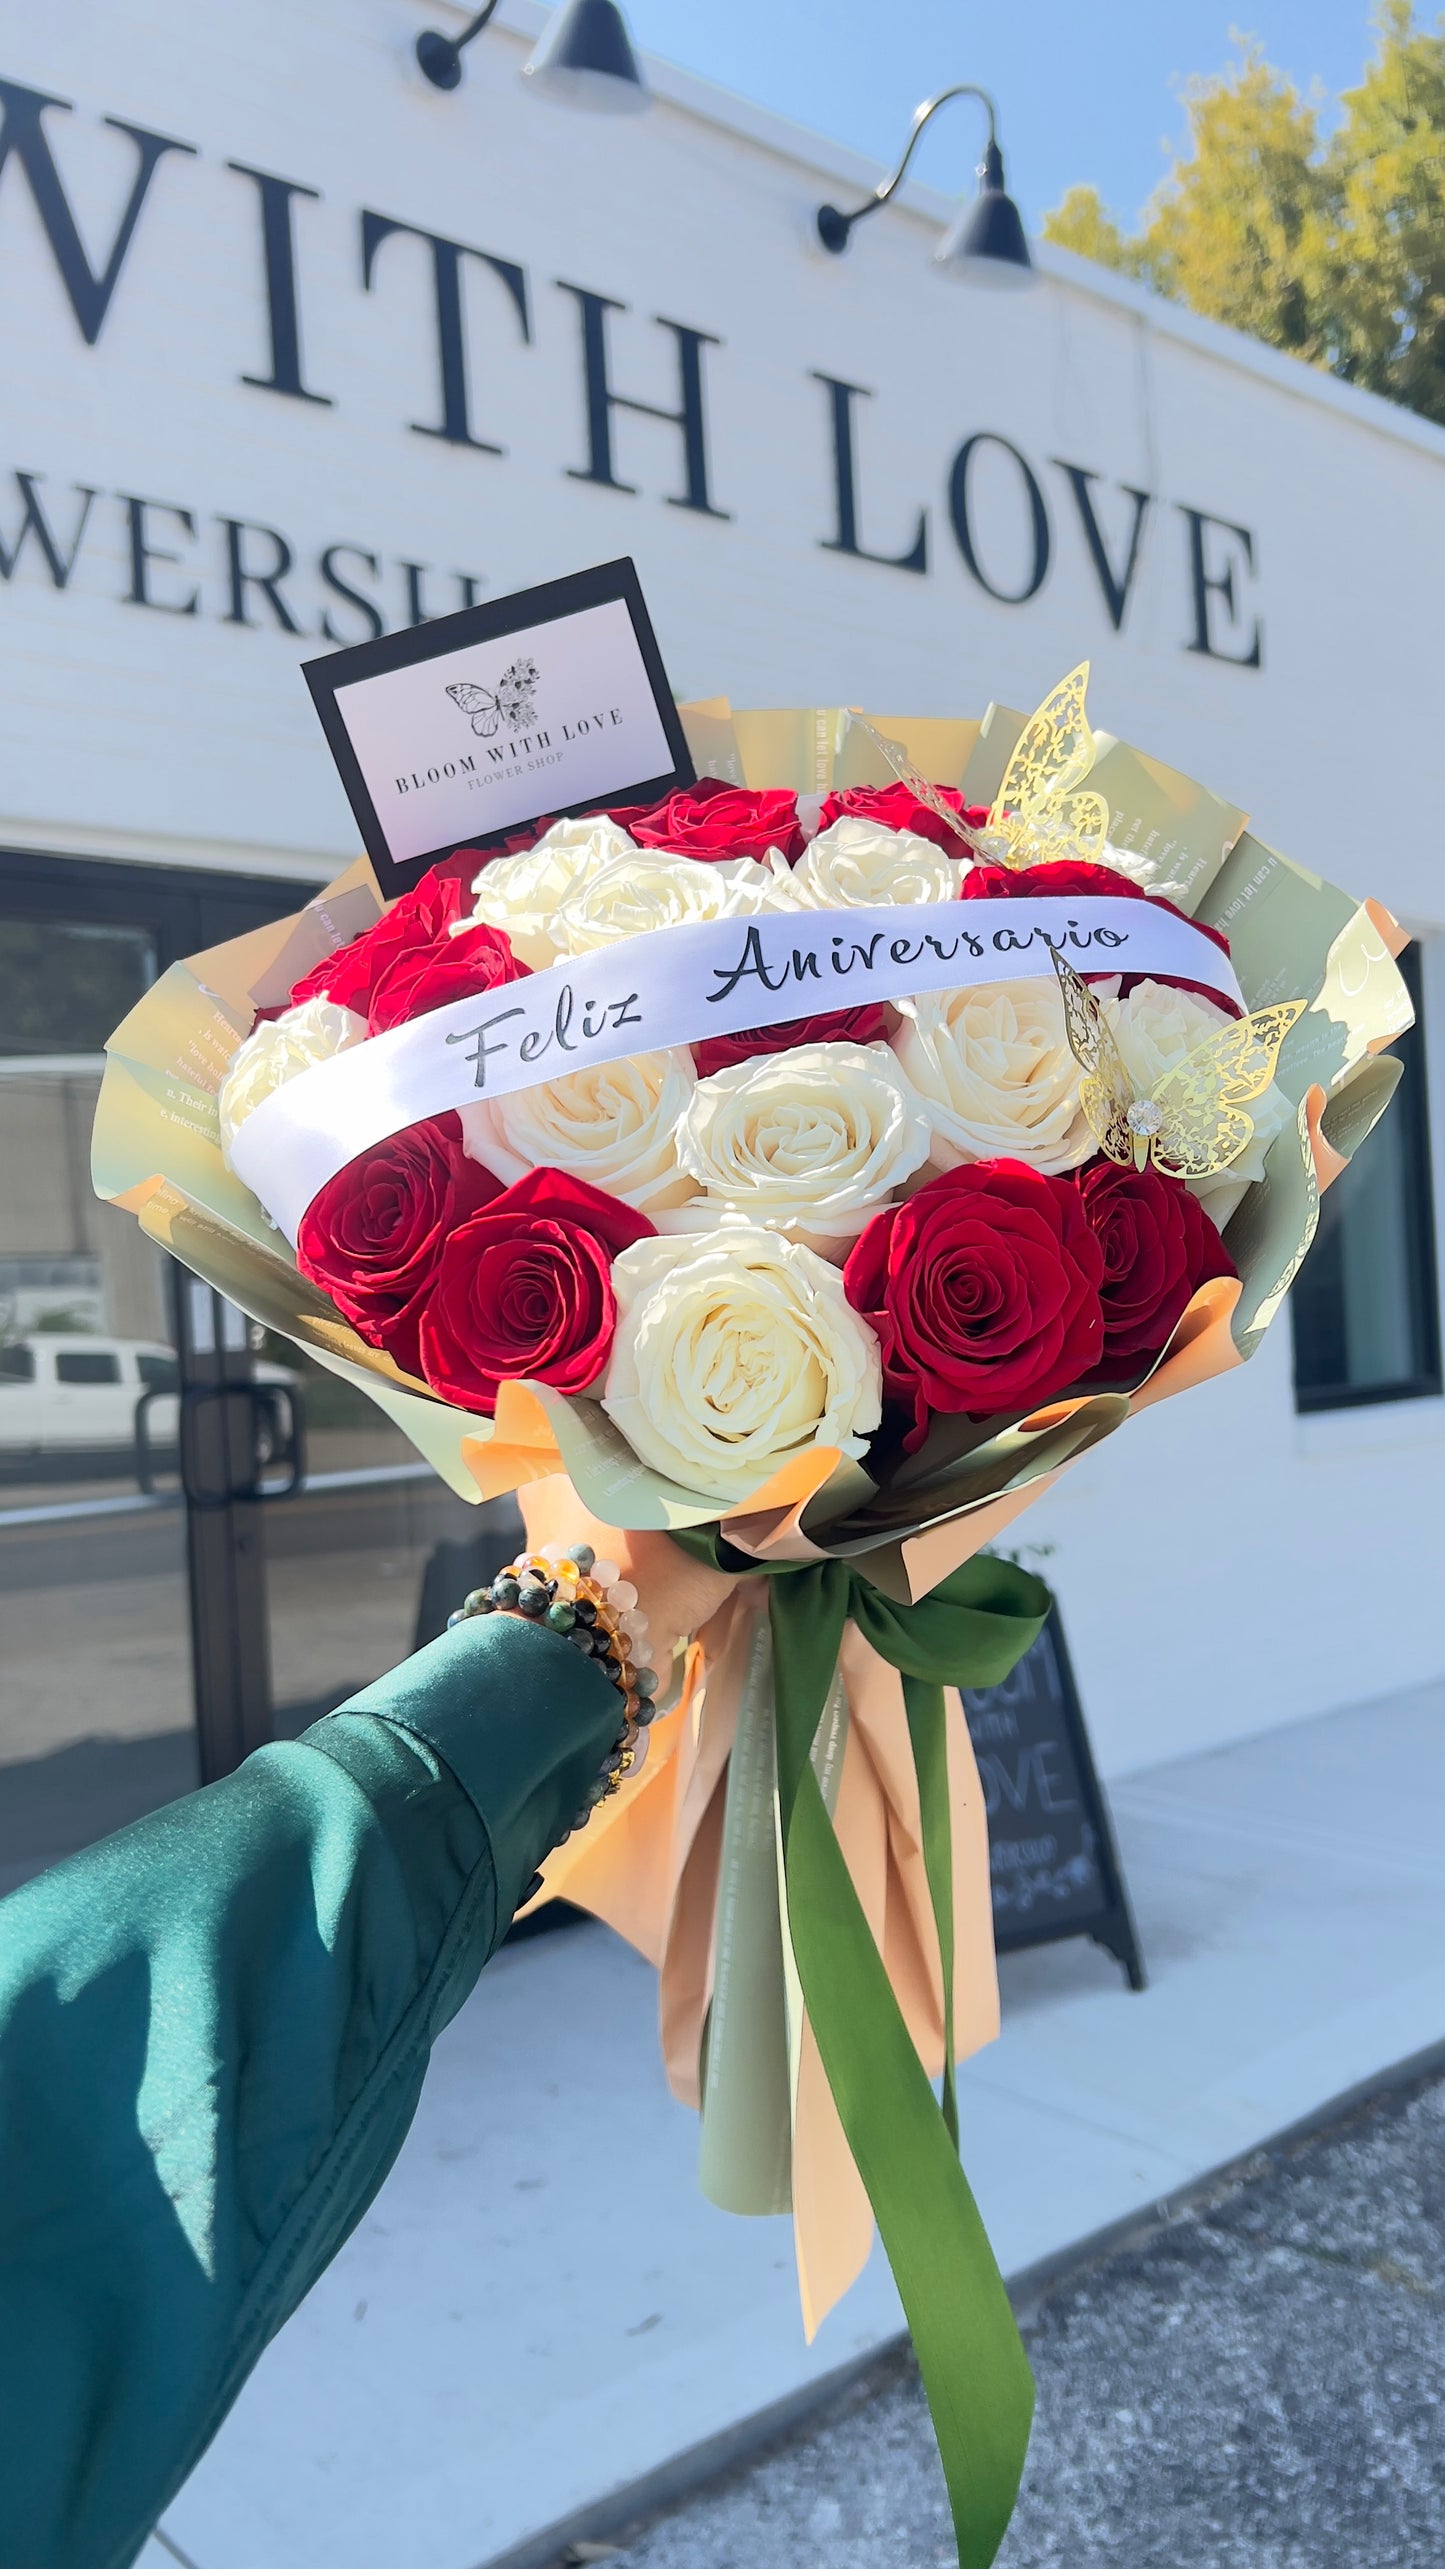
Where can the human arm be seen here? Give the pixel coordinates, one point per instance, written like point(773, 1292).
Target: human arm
point(213, 2032)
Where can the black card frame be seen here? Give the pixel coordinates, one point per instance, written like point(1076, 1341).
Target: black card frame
point(490, 620)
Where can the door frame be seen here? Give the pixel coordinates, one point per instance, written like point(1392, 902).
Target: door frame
point(186, 910)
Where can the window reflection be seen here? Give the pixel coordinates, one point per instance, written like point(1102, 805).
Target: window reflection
point(368, 1563)
point(71, 1398)
point(1365, 1307)
point(64, 984)
point(95, 1679)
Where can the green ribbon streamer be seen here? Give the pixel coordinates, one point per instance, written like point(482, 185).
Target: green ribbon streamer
point(970, 1631)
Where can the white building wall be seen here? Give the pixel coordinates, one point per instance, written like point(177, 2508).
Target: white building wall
point(1223, 1567)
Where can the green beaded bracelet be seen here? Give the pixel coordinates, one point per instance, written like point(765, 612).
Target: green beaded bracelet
point(588, 1603)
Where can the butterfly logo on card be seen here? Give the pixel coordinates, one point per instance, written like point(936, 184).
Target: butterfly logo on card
point(513, 703)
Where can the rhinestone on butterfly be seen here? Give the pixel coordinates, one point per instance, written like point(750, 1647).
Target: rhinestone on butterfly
point(1194, 1122)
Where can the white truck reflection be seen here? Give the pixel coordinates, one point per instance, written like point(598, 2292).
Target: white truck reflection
point(77, 1394)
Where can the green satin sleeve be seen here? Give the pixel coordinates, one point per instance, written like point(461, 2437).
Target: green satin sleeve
point(213, 2033)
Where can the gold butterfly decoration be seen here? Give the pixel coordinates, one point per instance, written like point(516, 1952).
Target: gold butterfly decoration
point(1042, 812)
point(1193, 1121)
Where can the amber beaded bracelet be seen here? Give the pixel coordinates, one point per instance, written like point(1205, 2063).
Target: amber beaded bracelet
point(589, 1604)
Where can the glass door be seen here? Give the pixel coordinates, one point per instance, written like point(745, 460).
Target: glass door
point(368, 1558)
point(205, 1540)
point(321, 1549)
point(95, 1677)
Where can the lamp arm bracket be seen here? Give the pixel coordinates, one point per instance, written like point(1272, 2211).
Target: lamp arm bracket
point(475, 25)
point(923, 116)
point(834, 226)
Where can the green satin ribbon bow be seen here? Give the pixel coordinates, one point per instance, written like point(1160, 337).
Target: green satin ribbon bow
point(970, 1631)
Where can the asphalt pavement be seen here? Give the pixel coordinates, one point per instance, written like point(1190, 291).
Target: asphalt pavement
point(1257, 2386)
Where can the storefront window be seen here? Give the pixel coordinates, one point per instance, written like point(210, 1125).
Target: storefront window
point(1366, 1305)
point(149, 1643)
point(95, 1686)
point(97, 1720)
point(367, 1561)
point(64, 986)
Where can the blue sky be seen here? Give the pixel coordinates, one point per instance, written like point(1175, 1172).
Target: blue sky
point(1083, 93)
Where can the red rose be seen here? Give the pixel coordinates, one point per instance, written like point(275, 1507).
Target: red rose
point(1069, 879)
point(373, 1238)
point(419, 918)
point(897, 807)
point(1159, 1246)
point(711, 819)
point(427, 976)
point(525, 1289)
point(984, 1292)
point(866, 1025)
point(410, 962)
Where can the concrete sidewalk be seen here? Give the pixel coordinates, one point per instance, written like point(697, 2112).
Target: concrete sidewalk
point(1259, 2384)
point(541, 2313)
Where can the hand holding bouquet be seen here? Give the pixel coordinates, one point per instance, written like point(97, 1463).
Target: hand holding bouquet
point(806, 1168)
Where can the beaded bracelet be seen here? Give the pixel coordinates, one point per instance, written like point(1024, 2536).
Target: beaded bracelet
point(589, 1603)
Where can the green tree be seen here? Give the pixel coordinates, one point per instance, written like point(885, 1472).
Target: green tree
point(1084, 224)
point(1331, 246)
point(1381, 269)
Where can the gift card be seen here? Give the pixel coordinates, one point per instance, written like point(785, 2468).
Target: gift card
point(461, 732)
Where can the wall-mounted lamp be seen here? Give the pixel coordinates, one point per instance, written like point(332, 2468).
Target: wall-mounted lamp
point(584, 59)
point(987, 245)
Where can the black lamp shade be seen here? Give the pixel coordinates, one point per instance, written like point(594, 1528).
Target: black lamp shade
point(585, 59)
point(988, 244)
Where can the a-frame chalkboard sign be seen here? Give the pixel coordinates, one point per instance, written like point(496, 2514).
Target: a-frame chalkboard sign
point(1053, 1861)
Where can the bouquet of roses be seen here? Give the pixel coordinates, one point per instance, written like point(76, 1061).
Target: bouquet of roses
point(810, 1166)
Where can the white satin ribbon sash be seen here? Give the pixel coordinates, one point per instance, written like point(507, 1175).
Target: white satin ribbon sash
point(679, 986)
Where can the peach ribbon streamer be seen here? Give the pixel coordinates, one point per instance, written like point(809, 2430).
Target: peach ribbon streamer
point(649, 1864)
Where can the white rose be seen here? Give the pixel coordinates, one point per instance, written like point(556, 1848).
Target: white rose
point(734, 1353)
point(859, 864)
point(993, 1069)
point(615, 1124)
point(1154, 1027)
point(646, 888)
point(811, 1141)
point(275, 1051)
point(522, 893)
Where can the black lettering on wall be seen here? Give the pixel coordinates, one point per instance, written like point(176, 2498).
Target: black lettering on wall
point(1208, 580)
point(960, 511)
point(23, 135)
point(245, 575)
point(841, 398)
point(143, 553)
point(34, 522)
point(1115, 585)
point(418, 612)
point(278, 250)
point(689, 416)
point(455, 424)
point(365, 607)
